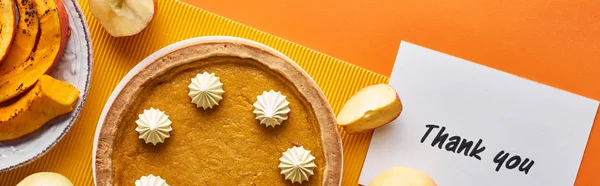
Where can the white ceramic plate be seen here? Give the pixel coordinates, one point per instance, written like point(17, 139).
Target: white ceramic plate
point(144, 63)
point(74, 68)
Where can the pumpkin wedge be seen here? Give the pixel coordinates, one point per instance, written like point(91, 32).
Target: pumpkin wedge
point(8, 21)
point(25, 38)
point(54, 32)
point(48, 99)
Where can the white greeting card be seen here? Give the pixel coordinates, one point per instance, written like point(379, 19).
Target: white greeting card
point(468, 124)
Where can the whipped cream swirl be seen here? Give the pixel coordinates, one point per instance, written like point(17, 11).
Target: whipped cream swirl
point(151, 180)
point(297, 164)
point(271, 108)
point(206, 90)
point(153, 126)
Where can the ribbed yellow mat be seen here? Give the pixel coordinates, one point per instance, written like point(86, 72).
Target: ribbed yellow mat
point(176, 21)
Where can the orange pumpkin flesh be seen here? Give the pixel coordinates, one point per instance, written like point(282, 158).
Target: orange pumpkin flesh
point(8, 22)
point(54, 31)
point(48, 99)
point(25, 38)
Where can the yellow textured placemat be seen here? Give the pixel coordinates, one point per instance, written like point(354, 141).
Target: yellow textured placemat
point(176, 21)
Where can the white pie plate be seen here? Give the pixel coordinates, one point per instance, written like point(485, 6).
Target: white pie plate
point(147, 61)
point(74, 68)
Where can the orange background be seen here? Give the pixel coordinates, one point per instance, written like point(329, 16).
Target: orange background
point(552, 42)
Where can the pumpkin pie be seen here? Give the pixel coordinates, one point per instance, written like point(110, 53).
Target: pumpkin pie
point(225, 144)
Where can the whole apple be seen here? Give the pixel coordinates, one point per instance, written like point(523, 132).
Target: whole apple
point(403, 176)
point(45, 179)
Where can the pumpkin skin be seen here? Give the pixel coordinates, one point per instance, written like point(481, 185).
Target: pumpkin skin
point(48, 99)
point(26, 37)
point(54, 32)
point(8, 26)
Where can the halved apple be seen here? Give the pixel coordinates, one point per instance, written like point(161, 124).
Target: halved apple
point(371, 107)
point(54, 33)
point(403, 176)
point(25, 38)
point(8, 26)
point(123, 17)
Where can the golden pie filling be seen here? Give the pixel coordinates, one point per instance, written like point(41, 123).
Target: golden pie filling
point(224, 145)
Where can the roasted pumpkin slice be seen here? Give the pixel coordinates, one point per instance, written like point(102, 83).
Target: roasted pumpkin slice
point(48, 99)
point(25, 38)
point(54, 29)
point(8, 21)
